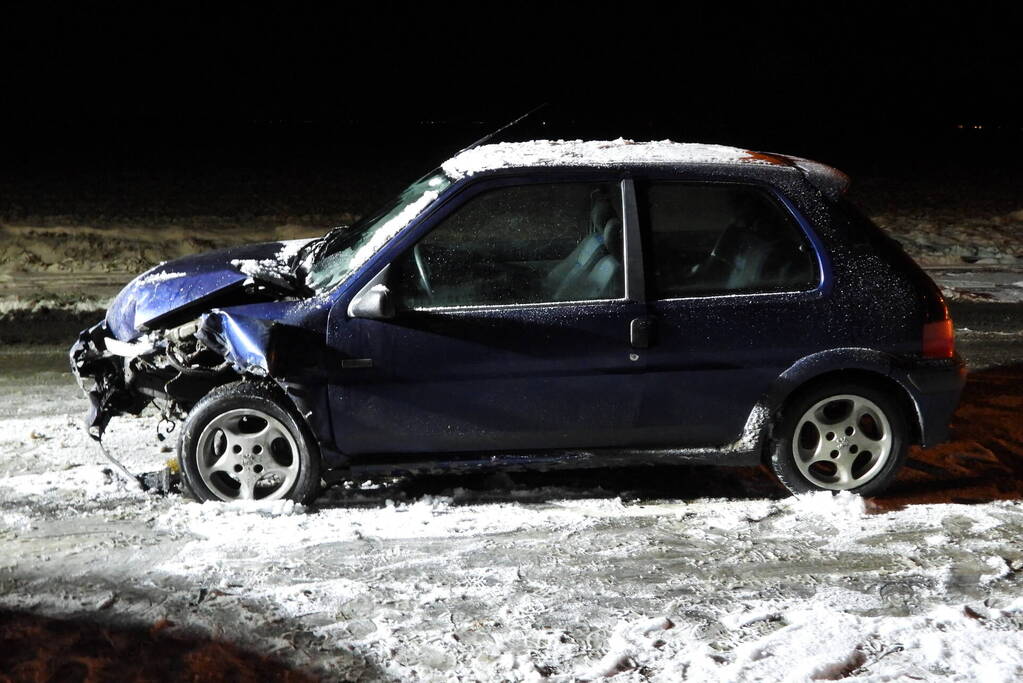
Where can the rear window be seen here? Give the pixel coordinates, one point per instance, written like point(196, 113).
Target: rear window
point(719, 238)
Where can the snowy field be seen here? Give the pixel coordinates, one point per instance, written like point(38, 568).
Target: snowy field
point(669, 574)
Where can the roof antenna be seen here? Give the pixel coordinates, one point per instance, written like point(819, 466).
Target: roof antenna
point(504, 127)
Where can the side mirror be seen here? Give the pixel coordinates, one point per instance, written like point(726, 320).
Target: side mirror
point(374, 303)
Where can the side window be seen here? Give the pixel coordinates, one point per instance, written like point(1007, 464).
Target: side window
point(717, 238)
point(518, 245)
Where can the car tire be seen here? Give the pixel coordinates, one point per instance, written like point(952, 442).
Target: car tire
point(242, 441)
point(840, 436)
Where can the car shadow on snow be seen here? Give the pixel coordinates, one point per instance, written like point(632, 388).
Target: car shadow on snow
point(631, 484)
point(36, 648)
point(982, 462)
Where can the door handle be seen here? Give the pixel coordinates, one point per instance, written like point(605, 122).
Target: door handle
point(641, 332)
point(354, 363)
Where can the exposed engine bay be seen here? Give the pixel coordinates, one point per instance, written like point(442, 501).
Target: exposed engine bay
point(176, 367)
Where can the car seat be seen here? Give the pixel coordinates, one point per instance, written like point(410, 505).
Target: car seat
point(603, 279)
point(585, 254)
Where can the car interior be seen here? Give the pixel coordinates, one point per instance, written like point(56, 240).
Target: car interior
point(549, 243)
point(563, 242)
point(723, 239)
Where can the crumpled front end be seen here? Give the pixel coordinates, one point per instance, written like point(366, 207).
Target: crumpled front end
point(179, 365)
point(188, 326)
point(122, 378)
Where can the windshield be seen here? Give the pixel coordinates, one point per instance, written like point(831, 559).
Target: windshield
point(341, 253)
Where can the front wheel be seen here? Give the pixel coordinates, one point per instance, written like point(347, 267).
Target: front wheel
point(242, 442)
point(840, 437)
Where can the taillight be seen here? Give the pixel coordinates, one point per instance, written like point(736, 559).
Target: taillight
point(939, 339)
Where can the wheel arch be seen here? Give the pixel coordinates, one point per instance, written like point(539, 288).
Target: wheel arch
point(308, 402)
point(843, 365)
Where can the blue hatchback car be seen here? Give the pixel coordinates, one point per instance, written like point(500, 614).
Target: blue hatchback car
point(542, 304)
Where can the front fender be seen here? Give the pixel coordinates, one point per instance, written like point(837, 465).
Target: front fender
point(291, 357)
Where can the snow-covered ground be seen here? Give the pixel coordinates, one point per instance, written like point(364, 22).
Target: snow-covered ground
point(972, 255)
point(995, 284)
point(955, 238)
point(688, 574)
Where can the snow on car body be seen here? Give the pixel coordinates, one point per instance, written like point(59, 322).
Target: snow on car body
point(541, 304)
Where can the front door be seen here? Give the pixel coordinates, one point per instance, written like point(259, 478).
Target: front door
point(512, 330)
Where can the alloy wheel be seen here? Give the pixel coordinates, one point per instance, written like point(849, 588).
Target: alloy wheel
point(246, 454)
point(842, 442)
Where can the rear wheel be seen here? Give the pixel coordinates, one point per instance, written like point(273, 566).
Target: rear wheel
point(840, 437)
point(242, 442)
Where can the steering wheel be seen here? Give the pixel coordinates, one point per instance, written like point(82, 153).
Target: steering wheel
point(424, 271)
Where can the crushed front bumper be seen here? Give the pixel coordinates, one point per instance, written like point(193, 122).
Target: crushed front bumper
point(101, 375)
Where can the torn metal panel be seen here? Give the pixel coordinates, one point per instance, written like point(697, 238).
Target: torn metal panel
point(244, 342)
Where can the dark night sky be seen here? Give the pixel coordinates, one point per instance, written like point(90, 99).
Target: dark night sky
point(104, 82)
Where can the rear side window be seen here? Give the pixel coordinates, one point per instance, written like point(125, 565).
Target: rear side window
point(717, 238)
point(523, 244)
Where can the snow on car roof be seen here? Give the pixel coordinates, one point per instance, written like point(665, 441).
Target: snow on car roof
point(618, 152)
point(622, 152)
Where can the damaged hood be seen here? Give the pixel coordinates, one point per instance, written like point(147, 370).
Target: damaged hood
point(200, 282)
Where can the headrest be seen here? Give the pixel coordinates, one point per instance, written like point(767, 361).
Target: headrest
point(613, 237)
